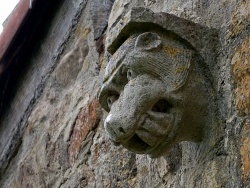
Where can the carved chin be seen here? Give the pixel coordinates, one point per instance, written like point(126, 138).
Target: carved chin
point(155, 130)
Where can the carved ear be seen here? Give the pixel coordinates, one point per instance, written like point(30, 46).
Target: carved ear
point(148, 41)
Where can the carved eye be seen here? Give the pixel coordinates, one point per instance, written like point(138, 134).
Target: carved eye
point(162, 106)
point(130, 74)
point(111, 99)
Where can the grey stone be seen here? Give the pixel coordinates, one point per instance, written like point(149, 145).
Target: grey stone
point(220, 159)
point(156, 88)
point(99, 11)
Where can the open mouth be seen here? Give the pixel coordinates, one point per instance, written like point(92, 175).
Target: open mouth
point(136, 144)
point(152, 129)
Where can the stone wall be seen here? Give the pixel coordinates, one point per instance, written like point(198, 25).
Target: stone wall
point(53, 135)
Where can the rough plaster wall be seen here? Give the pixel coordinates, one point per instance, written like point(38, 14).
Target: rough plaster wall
point(63, 143)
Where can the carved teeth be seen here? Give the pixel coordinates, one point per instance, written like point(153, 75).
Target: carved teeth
point(147, 138)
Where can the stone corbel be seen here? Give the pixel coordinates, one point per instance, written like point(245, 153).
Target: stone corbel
point(158, 86)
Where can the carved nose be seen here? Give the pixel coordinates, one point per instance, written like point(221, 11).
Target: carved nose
point(116, 132)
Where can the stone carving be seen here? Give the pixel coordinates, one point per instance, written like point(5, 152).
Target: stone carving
point(157, 88)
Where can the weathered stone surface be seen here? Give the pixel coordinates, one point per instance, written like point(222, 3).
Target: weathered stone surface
point(100, 10)
point(241, 71)
point(148, 90)
point(139, 19)
point(244, 151)
point(71, 64)
point(240, 19)
point(86, 121)
point(46, 128)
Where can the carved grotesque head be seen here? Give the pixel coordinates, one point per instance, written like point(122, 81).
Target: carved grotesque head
point(156, 94)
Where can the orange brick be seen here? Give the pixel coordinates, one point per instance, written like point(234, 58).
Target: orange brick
point(241, 74)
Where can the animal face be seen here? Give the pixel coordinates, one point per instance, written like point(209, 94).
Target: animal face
point(150, 106)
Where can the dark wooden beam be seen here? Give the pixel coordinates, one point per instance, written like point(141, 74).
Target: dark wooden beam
point(23, 29)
